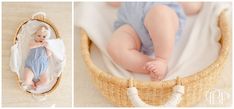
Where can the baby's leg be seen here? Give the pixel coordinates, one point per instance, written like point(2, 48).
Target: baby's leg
point(191, 8)
point(162, 23)
point(43, 80)
point(28, 77)
point(124, 48)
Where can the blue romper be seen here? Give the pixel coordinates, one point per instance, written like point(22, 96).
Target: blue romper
point(37, 61)
point(133, 13)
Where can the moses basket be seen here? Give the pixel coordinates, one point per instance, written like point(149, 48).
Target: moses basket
point(39, 17)
point(158, 93)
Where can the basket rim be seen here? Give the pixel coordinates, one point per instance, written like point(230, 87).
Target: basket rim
point(224, 51)
point(51, 24)
point(44, 20)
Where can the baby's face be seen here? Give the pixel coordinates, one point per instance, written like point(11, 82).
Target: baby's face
point(41, 34)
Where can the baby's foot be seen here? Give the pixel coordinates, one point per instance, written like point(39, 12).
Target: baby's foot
point(157, 69)
point(28, 87)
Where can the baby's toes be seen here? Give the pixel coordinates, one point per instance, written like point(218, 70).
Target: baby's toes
point(149, 66)
point(161, 75)
point(153, 68)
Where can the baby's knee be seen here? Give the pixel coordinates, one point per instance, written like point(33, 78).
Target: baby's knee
point(160, 14)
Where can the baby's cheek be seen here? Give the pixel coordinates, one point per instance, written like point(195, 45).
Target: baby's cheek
point(42, 39)
point(36, 38)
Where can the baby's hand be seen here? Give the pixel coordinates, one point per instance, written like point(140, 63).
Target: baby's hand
point(45, 43)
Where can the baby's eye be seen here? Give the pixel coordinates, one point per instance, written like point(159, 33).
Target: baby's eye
point(44, 36)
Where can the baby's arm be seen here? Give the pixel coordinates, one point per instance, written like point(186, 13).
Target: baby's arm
point(48, 52)
point(34, 44)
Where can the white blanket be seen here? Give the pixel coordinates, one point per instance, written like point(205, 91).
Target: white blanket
point(197, 49)
point(19, 52)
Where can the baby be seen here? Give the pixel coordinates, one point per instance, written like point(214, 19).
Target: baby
point(144, 28)
point(36, 64)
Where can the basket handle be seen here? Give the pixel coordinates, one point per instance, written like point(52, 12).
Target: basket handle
point(136, 101)
point(39, 14)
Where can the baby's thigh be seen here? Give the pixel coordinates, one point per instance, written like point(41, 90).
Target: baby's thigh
point(28, 74)
point(124, 38)
point(161, 16)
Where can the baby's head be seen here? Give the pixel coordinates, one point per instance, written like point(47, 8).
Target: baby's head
point(42, 33)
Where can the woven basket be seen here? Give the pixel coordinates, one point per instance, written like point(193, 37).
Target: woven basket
point(40, 18)
point(157, 93)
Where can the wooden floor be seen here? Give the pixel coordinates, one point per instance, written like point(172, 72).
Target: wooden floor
point(13, 14)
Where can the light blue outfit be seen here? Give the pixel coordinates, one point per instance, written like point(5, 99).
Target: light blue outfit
point(133, 13)
point(37, 61)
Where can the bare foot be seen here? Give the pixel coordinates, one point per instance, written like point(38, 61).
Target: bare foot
point(29, 86)
point(157, 69)
point(34, 86)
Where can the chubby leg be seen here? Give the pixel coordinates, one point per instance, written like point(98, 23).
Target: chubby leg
point(43, 80)
point(28, 77)
point(124, 48)
point(162, 23)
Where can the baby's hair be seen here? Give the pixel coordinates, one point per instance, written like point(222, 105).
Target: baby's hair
point(47, 29)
